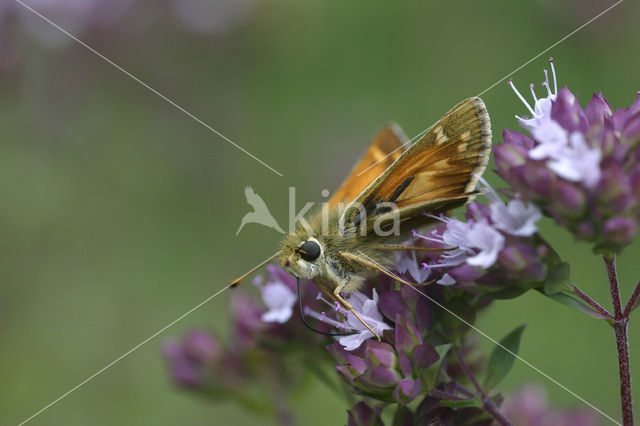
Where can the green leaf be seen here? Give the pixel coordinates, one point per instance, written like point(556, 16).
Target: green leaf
point(558, 279)
point(476, 401)
point(430, 375)
point(501, 360)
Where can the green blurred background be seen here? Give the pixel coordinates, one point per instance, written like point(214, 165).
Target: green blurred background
point(119, 212)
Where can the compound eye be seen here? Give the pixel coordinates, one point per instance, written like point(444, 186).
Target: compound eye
point(309, 251)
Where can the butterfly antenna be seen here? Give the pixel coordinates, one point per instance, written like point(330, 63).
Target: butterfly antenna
point(262, 264)
point(304, 320)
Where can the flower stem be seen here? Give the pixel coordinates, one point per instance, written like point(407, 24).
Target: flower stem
point(632, 301)
point(610, 263)
point(446, 395)
point(620, 327)
point(284, 414)
point(589, 301)
point(464, 390)
point(487, 403)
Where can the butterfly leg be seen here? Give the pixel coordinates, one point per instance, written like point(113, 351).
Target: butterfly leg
point(329, 294)
point(366, 261)
point(348, 306)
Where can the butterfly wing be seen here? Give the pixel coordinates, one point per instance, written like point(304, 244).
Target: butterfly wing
point(386, 147)
point(436, 174)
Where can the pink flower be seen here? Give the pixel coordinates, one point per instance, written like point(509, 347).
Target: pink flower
point(367, 309)
point(475, 242)
point(529, 407)
point(567, 153)
point(355, 332)
point(279, 299)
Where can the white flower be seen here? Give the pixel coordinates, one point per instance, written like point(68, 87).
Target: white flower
point(541, 111)
point(552, 138)
point(355, 332)
point(516, 217)
point(446, 280)
point(279, 299)
point(409, 264)
point(568, 155)
point(577, 162)
point(543, 128)
point(476, 243)
point(367, 309)
point(486, 242)
point(455, 235)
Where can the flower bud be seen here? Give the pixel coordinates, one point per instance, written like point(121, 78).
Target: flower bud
point(363, 415)
point(406, 391)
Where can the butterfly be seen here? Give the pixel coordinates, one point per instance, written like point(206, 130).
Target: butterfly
point(389, 191)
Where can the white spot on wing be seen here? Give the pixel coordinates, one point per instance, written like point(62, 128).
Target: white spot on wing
point(440, 136)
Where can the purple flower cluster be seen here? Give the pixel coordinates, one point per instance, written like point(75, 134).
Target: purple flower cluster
point(529, 407)
point(496, 251)
point(580, 166)
point(417, 366)
point(219, 17)
point(414, 361)
point(261, 333)
point(410, 363)
point(89, 19)
point(270, 320)
point(77, 17)
point(404, 365)
point(428, 412)
point(192, 357)
point(526, 407)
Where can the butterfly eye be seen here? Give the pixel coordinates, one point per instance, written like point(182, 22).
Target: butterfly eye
point(309, 251)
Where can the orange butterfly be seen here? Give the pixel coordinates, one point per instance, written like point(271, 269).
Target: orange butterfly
point(363, 224)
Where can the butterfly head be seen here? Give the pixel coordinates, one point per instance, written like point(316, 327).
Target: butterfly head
point(301, 255)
